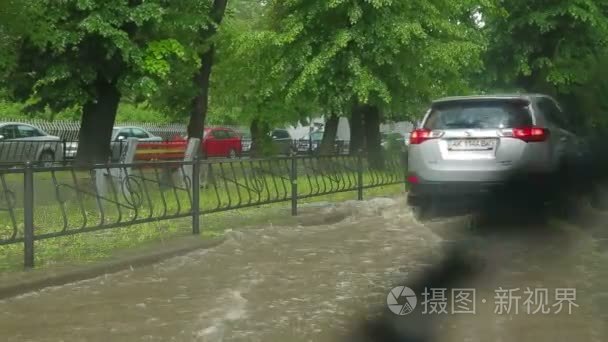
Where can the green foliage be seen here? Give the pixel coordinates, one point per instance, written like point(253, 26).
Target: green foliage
point(387, 53)
point(184, 22)
point(243, 87)
point(140, 113)
point(550, 44)
point(588, 99)
point(17, 112)
point(10, 110)
point(157, 54)
point(280, 61)
point(126, 113)
point(558, 47)
point(72, 44)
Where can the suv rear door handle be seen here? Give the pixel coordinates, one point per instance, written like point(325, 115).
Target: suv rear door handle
point(564, 139)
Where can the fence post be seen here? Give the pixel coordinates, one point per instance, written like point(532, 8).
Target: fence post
point(360, 175)
point(294, 185)
point(196, 194)
point(28, 216)
point(120, 148)
point(64, 143)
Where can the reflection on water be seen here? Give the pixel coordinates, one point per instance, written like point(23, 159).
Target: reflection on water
point(312, 283)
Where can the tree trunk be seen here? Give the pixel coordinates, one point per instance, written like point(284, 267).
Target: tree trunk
point(200, 103)
point(373, 147)
point(259, 138)
point(329, 136)
point(97, 121)
point(356, 130)
point(255, 140)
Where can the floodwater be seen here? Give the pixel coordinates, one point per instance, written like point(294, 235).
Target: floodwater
point(315, 282)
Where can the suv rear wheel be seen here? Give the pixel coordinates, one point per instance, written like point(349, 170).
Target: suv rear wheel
point(421, 212)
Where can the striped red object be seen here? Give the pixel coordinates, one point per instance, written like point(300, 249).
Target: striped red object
point(171, 150)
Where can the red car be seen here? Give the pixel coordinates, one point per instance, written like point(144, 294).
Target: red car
point(221, 142)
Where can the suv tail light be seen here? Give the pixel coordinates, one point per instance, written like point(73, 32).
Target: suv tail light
point(412, 178)
point(528, 134)
point(419, 136)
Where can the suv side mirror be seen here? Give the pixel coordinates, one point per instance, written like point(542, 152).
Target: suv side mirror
point(1, 137)
point(120, 137)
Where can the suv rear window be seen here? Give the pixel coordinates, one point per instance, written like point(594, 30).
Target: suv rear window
point(479, 114)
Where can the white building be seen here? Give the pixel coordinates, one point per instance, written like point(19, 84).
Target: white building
point(318, 124)
point(300, 131)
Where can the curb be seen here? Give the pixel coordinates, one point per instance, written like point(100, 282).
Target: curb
point(33, 281)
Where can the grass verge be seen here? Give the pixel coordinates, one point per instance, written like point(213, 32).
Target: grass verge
point(92, 247)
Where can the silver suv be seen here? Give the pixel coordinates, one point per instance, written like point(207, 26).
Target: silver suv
point(473, 145)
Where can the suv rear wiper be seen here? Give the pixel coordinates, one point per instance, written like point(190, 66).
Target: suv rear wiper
point(463, 124)
point(460, 125)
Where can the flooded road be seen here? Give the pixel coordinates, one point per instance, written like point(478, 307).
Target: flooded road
point(315, 281)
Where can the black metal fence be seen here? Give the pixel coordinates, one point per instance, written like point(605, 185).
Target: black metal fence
point(42, 202)
point(20, 151)
point(45, 151)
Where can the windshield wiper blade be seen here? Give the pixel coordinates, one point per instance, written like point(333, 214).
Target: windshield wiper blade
point(459, 125)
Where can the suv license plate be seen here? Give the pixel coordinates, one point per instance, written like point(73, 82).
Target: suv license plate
point(471, 144)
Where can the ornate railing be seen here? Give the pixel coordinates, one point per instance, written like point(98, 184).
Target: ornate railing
point(41, 202)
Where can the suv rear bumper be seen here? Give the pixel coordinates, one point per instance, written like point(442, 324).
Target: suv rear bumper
point(529, 189)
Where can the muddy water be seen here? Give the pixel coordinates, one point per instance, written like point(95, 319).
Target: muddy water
point(311, 282)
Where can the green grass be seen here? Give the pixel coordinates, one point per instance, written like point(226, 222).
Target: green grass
point(52, 216)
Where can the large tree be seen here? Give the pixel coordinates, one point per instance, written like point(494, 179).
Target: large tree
point(375, 56)
point(87, 54)
point(12, 25)
point(246, 87)
point(556, 47)
point(200, 102)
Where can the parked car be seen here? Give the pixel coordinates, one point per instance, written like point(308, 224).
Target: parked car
point(21, 142)
point(221, 142)
point(310, 143)
point(120, 134)
point(282, 141)
point(469, 146)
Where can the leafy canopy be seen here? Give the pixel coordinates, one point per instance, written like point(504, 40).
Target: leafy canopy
point(557, 47)
point(555, 43)
point(71, 44)
point(380, 52)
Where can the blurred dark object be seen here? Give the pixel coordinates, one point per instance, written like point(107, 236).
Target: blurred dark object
point(458, 268)
point(282, 141)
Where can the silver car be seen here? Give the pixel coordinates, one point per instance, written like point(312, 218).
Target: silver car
point(473, 145)
point(118, 141)
point(120, 134)
point(21, 142)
